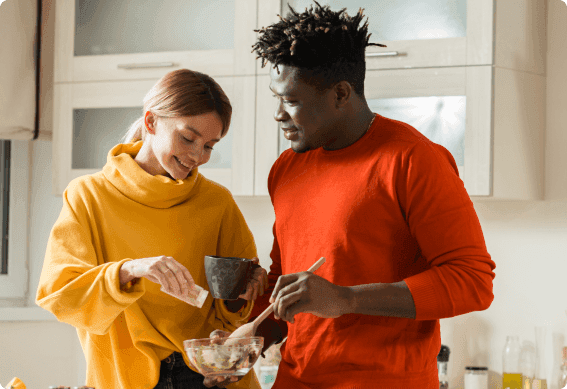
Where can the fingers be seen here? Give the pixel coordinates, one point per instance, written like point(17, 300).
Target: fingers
point(261, 276)
point(173, 276)
point(219, 334)
point(282, 282)
point(221, 382)
point(256, 286)
point(247, 295)
point(285, 297)
point(294, 308)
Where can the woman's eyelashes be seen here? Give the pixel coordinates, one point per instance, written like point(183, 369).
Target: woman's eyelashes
point(192, 141)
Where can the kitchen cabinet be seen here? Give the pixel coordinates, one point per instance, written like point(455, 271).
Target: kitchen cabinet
point(90, 118)
point(107, 56)
point(441, 33)
point(490, 119)
point(477, 90)
point(487, 110)
point(106, 40)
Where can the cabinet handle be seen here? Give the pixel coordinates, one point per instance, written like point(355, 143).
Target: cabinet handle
point(129, 66)
point(383, 54)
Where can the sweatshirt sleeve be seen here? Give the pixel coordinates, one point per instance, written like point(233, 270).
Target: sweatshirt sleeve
point(76, 285)
point(442, 219)
point(235, 240)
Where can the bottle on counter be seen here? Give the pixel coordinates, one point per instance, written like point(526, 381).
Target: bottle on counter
point(476, 377)
point(442, 362)
point(540, 379)
point(269, 366)
point(511, 371)
point(563, 370)
point(527, 364)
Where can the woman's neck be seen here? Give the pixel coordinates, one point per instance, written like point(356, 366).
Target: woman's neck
point(147, 160)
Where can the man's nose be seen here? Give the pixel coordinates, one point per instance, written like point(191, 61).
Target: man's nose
point(280, 114)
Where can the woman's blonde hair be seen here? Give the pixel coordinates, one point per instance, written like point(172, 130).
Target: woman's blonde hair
point(181, 93)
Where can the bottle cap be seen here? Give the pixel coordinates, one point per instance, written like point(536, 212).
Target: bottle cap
point(443, 355)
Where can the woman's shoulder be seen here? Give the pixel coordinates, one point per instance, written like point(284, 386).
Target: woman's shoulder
point(213, 188)
point(86, 188)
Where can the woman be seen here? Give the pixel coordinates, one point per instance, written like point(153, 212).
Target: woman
point(145, 222)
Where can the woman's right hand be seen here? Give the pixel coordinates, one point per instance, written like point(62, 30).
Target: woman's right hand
point(166, 271)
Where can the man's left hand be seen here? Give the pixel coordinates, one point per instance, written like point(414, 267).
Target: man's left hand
point(306, 292)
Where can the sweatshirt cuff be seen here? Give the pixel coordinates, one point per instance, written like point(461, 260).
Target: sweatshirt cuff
point(426, 299)
point(233, 320)
point(112, 280)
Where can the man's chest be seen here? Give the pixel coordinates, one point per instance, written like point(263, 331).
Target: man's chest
point(342, 214)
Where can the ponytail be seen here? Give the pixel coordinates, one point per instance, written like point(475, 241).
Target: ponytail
point(135, 132)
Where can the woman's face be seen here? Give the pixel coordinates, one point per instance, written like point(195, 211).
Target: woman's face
point(180, 144)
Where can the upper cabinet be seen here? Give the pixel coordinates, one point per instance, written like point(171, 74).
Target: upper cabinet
point(422, 33)
point(91, 118)
point(441, 33)
point(103, 40)
point(468, 75)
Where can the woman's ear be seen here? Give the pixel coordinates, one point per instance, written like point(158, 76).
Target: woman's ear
point(150, 122)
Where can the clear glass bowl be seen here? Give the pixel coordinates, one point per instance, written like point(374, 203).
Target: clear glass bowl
point(224, 356)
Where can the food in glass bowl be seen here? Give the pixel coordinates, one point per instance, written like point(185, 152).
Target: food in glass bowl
point(224, 356)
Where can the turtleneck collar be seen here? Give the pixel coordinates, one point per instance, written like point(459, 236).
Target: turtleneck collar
point(135, 183)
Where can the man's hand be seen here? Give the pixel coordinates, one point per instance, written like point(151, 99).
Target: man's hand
point(309, 293)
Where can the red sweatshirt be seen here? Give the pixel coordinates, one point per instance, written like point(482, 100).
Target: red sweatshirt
point(388, 208)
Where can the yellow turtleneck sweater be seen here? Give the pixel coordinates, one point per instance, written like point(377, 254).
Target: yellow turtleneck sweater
point(123, 213)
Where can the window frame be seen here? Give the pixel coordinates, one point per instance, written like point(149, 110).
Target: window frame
point(15, 284)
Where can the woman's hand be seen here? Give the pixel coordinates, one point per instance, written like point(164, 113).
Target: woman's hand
point(166, 271)
point(258, 283)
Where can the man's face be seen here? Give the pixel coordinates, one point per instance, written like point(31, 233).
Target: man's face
point(304, 113)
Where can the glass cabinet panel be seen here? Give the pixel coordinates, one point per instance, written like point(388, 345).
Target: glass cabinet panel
point(393, 20)
point(143, 26)
point(97, 130)
point(440, 119)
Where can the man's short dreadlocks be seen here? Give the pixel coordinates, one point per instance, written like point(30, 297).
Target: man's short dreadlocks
point(327, 46)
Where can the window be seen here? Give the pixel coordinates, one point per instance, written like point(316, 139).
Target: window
point(15, 182)
point(4, 201)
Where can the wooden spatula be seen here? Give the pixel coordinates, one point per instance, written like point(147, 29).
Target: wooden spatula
point(247, 329)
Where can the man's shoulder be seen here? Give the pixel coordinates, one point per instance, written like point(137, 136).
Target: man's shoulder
point(397, 134)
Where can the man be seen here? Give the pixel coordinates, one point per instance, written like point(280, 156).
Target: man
point(383, 205)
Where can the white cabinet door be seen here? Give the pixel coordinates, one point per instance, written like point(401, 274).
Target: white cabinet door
point(126, 40)
point(427, 33)
point(91, 118)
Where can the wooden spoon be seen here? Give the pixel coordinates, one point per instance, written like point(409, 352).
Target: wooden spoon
point(248, 329)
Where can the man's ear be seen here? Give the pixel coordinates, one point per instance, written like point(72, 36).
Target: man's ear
point(343, 93)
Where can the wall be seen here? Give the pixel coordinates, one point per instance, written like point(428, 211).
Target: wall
point(528, 242)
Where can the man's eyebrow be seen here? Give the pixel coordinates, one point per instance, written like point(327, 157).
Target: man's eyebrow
point(198, 133)
point(282, 94)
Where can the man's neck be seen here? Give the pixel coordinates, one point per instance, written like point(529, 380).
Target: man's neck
point(350, 129)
